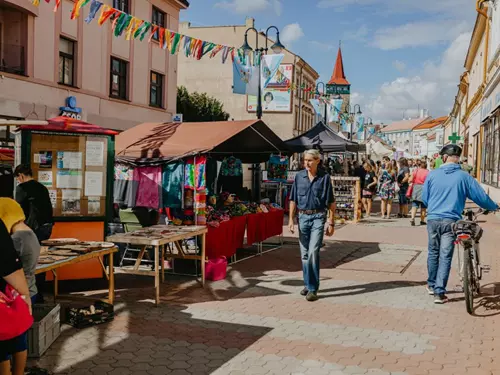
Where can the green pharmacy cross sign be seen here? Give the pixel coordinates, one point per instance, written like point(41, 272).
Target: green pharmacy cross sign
point(454, 138)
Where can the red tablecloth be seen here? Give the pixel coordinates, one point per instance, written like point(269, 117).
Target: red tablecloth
point(262, 226)
point(226, 239)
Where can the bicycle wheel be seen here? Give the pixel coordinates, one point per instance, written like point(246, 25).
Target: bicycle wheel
point(468, 281)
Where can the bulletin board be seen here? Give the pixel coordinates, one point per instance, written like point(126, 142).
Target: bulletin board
point(74, 170)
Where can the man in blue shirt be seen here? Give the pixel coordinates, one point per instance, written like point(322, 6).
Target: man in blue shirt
point(445, 191)
point(312, 197)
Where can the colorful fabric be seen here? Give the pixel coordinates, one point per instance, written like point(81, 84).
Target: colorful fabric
point(277, 168)
point(123, 172)
point(148, 194)
point(172, 182)
point(195, 175)
point(387, 185)
point(231, 167)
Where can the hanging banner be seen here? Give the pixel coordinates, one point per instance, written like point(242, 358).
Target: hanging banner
point(317, 106)
point(270, 66)
point(277, 96)
point(360, 127)
point(133, 27)
point(334, 109)
point(245, 78)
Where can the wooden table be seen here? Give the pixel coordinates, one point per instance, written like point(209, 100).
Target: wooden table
point(158, 242)
point(99, 254)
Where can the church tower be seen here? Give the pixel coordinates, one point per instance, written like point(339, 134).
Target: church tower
point(338, 84)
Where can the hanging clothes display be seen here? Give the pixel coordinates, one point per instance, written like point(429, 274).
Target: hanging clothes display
point(125, 186)
point(195, 173)
point(277, 168)
point(149, 186)
point(172, 182)
point(230, 176)
point(6, 181)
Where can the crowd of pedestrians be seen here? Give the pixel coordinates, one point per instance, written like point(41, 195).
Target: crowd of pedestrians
point(391, 181)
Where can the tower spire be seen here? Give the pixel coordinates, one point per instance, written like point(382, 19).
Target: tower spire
point(338, 76)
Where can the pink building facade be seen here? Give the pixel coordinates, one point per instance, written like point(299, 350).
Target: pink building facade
point(46, 57)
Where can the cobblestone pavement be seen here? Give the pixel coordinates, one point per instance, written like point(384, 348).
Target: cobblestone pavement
point(374, 317)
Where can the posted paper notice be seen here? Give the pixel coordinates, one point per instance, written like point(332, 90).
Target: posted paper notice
point(69, 179)
point(94, 206)
point(69, 160)
point(94, 153)
point(45, 178)
point(93, 184)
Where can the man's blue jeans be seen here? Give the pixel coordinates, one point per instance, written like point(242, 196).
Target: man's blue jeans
point(441, 246)
point(311, 231)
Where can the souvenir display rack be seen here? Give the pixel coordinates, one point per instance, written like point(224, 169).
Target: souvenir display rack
point(347, 192)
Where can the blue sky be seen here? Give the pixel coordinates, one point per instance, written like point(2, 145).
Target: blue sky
point(398, 54)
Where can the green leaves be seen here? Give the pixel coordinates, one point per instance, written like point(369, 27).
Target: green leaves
point(197, 107)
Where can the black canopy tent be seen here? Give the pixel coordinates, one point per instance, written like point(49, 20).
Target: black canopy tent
point(323, 138)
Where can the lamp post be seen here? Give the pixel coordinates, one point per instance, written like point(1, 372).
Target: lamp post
point(352, 114)
point(324, 94)
point(277, 47)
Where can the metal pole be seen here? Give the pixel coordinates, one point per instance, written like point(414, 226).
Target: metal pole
point(259, 90)
point(326, 113)
point(352, 124)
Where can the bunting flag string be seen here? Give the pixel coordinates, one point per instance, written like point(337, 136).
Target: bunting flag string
point(135, 28)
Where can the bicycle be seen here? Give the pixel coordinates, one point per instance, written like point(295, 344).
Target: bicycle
point(469, 233)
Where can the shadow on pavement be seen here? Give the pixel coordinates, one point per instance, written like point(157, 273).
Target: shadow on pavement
point(353, 290)
point(144, 338)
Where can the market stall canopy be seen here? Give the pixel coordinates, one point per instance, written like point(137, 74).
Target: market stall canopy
point(323, 138)
point(68, 125)
point(251, 141)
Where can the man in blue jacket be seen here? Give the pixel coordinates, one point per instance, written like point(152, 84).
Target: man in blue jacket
point(445, 192)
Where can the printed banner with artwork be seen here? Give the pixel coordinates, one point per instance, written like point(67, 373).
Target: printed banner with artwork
point(277, 96)
point(245, 78)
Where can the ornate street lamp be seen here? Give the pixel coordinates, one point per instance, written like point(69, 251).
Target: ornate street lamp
point(351, 115)
point(277, 47)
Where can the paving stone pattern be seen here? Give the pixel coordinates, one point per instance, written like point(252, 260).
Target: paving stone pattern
point(374, 317)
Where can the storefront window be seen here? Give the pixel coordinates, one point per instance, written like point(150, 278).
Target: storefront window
point(491, 160)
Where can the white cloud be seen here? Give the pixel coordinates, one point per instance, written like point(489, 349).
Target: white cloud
point(418, 34)
point(278, 7)
point(399, 65)
point(246, 7)
point(433, 88)
point(455, 7)
point(359, 35)
point(290, 34)
point(322, 46)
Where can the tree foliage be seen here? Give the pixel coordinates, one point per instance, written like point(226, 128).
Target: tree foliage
point(197, 107)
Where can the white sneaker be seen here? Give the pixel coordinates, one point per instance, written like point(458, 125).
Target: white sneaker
point(429, 290)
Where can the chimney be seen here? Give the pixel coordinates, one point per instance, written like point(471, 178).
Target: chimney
point(250, 22)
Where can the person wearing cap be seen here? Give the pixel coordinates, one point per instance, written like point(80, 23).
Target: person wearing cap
point(312, 197)
point(445, 192)
point(25, 241)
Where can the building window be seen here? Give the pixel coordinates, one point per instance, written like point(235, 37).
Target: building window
point(119, 70)
point(491, 164)
point(158, 20)
point(66, 61)
point(123, 5)
point(156, 90)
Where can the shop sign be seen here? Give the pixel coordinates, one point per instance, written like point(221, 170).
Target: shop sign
point(71, 110)
point(177, 118)
point(338, 89)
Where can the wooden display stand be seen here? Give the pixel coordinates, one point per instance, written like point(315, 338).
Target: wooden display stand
point(347, 192)
point(75, 161)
